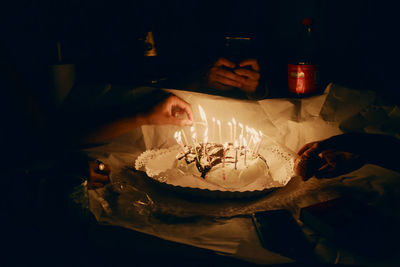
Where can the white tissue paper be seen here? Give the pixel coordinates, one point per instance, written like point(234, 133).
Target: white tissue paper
point(133, 201)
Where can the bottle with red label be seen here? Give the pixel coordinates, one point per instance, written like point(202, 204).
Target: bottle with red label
point(303, 76)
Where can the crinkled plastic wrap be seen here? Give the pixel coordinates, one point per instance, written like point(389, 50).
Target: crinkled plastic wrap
point(135, 201)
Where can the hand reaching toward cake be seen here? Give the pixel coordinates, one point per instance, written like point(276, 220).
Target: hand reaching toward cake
point(171, 111)
point(250, 70)
point(325, 163)
point(344, 153)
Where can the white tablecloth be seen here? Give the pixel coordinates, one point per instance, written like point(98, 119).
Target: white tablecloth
point(224, 226)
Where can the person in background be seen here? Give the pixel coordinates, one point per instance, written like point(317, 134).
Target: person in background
point(345, 153)
point(225, 75)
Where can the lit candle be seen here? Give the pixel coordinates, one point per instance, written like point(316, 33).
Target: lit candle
point(251, 141)
point(259, 142)
point(245, 152)
point(223, 159)
point(178, 139)
point(247, 133)
point(184, 137)
point(236, 149)
point(205, 136)
point(256, 139)
point(230, 132)
point(241, 128)
point(203, 115)
point(234, 129)
point(205, 141)
point(193, 131)
point(194, 146)
point(213, 130)
point(225, 146)
point(240, 141)
point(219, 130)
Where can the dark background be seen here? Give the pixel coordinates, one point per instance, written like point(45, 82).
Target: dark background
point(101, 37)
point(356, 44)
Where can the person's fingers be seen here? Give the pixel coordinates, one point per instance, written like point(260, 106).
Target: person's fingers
point(308, 149)
point(220, 86)
point(171, 120)
point(328, 172)
point(250, 74)
point(228, 75)
point(180, 122)
point(224, 62)
point(250, 86)
point(184, 106)
point(176, 106)
point(304, 167)
point(326, 167)
point(300, 167)
point(250, 62)
point(304, 148)
point(226, 81)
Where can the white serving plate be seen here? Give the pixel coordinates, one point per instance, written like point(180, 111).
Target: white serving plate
point(159, 165)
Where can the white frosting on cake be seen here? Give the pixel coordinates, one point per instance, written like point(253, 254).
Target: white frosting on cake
point(248, 169)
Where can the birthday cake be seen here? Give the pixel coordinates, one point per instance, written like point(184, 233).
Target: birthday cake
point(239, 162)
point(224, 165)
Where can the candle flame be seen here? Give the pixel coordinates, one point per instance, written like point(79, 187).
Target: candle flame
point(213, 119)
point(184, 136)
point(178, 137)
point(202, 114)
point(234, 121)
point(244, 143)
point(230, 124)
point(253, 131)
point(225, 145)
point(236, 144)
point(192, 129)
point(219, 122)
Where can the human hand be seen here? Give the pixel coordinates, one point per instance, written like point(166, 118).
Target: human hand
point(99, 174)
point(327, 158)
point(251, 75)
point(221, 76)
point(225, 75)
point(171, 111)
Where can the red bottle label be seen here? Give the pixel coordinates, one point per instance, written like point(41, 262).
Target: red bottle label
point(302, 79)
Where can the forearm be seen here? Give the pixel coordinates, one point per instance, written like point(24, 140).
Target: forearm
point(101, 133)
